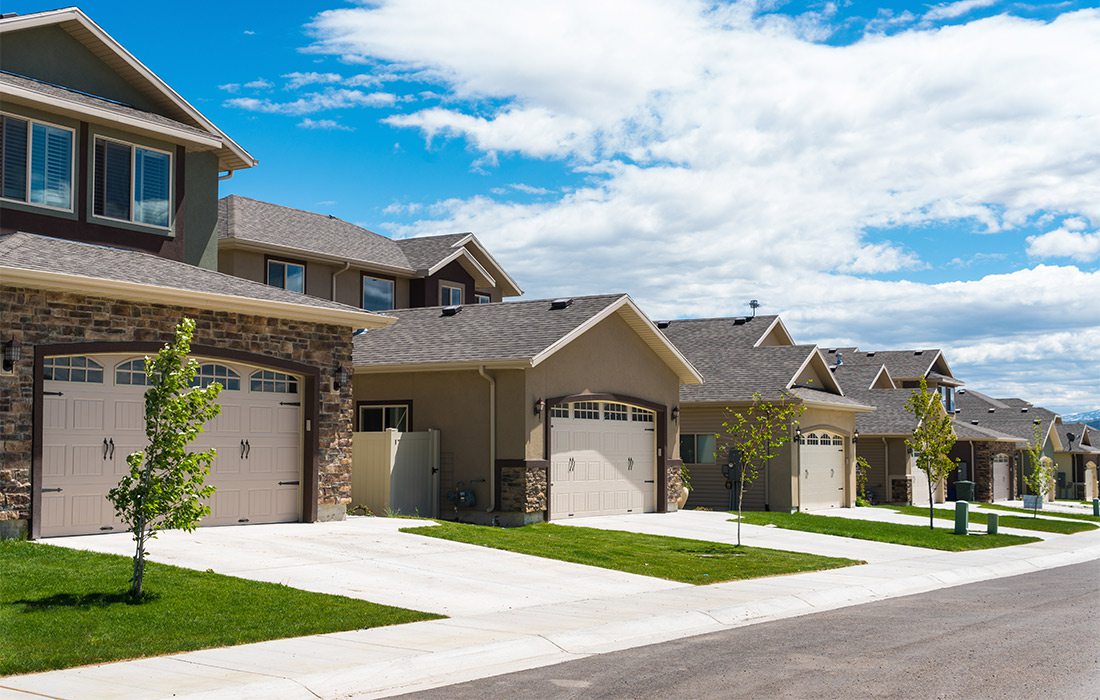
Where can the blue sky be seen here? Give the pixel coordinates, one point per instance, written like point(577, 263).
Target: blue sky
point(885, 174)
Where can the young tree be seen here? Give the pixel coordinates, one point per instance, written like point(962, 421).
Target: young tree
point(165, 487)
point(756, 433)
point(863, 469)
point(932, 439)
point(1041, 474)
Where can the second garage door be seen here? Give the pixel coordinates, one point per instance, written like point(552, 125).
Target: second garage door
point(93, 417)
point(603, 460)
point(821, 471)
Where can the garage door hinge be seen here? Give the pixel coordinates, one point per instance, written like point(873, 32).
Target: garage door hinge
point(290, 403)
point(52, 393)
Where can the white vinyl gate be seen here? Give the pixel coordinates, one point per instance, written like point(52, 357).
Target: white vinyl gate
point(93, 418)
point(821, 471)
point(602, 461)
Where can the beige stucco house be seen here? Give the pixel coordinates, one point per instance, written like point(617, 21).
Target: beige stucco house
point(546, 409)
point(739, 357)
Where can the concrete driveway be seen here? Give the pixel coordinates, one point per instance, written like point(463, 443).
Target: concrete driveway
point(368, 558)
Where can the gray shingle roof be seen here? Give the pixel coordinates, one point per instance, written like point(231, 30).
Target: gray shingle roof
point(855, 376)
point(1008, 415)
point(425, 251)
point(83, 98)
point(508, 331)
point(824, 397)
point(889, 417)
point(34, 252)
point(902, 364)
point(1078, 431)
point(251, 220)
point(710, 332)
point(967, 431)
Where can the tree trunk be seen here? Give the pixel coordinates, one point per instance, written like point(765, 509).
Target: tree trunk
point(931, 506)
point(139, 566)
point(740, 502)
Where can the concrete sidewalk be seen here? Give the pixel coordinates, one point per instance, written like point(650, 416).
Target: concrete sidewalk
point(392, 660)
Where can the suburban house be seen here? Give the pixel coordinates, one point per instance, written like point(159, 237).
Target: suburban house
point(545, 409)
point(1019, 419)
point(742, 357)
point(329, 258)
point(1076, 475)
point(109, 236)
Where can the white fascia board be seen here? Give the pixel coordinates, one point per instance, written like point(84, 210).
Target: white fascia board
point(99, 114)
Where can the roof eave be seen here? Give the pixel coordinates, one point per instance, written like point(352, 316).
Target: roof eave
point(235, 242)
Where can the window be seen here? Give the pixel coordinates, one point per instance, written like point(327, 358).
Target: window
point(559, 411)
point(483, 298)
point(614, 411)
point(450, 295)
point(377, 294)
point(587, 409)
point(288, 275)
point(37, 163)
point(72, 369)
point(132, 183)
point(373, 419)
point(264, 380)
point(698, 449)
point(947, 393)
point(640, 415)
point(210, 373)
point(131, 373)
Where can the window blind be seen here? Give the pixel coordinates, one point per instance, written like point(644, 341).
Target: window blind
point(13, 151)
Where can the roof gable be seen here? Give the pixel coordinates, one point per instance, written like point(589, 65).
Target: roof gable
point(430, 254)
point(156, 95)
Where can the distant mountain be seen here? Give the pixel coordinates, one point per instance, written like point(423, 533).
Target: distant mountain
point(1088, 417)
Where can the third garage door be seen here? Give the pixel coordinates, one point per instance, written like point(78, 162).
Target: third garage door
point(602, 461)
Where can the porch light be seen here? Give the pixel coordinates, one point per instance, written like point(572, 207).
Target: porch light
point(798, 435)
point(676, 413)
point(13, 352)
point(540, 404)
point(341, 378)
point(855, 437)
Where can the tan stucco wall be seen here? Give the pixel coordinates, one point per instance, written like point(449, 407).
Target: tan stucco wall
point(609, 358)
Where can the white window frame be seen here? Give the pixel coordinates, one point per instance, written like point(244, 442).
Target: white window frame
point(133, 183)
point(461, 289)
point(284, 263)
point(30, 147)
point(478, 296)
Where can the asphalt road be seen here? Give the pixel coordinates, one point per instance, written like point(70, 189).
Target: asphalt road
point(1031, 636)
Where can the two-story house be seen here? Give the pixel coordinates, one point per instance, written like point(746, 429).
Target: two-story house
point(329, 258)
point(108, 237)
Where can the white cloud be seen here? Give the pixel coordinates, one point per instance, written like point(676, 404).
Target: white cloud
point(230, 87)
point(954, 10)
point(299, 79)
point(259, 84)
point(330, 98)
point(323, 125)
point(1069, 241)
point(248, 32)
point(728, 156)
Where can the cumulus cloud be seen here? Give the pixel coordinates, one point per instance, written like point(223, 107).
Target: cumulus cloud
point(299, 79)
point(1069, 241)
point(953, 10)
point(330, 98)
point(323, 125)
point(727, 154)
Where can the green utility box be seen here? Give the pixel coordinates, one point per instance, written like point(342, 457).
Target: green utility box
point(991, 524)
point(964, 491)
point(962, 518)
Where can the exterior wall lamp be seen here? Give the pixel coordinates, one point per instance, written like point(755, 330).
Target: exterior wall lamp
point(676, 413)
point(13, 352)
point(540, 404)
point(341, 378)
point(855, 437)
point(798, 435)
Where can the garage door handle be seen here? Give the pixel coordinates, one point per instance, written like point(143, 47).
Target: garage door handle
point(242, 449)
point(572, 463)
point(630, 464)
point(106, 448)
point(289, 483)
point(57, 490)
point(247, 449)
point(112, 448)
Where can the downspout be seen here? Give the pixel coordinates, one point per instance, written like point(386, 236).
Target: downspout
point(228, 174)
point(492, 438)
point(347, 266)
point(973, 471)
point(886, 485)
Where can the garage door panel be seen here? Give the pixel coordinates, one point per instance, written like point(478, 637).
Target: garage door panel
point(286, 460)
point(54, 412)
point(53, 511)
point(90, 510)
point(261, 419)
point(87, 414)
point(130, 415)
point(88, 460)
point(260, 460)
point(53, 461)
point(287, 419)
point(228, 421)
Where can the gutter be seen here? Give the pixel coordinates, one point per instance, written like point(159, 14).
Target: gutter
point(492, 438)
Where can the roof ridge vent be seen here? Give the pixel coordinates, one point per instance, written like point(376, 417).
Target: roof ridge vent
point(973, 422)
point(1023, 410)
point(918, 352)
point(664, 324)
point(451, 310)
point(991, 409)
point(871, 354)
point(740, 321)
point(563, 303)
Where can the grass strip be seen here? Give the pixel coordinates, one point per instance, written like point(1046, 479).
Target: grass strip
point(61, 607)
point(1051, 513)
point(877, 531)
point(1061, 527)
point(672, 558)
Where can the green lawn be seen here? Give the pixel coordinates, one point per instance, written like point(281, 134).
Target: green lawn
point(1061, 527)
point(61, 608)
point(672, 558)
point(1051, 513)
point(912, 535)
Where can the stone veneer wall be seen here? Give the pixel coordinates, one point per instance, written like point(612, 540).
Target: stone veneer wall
point(675, 483)
point(36, 317)
point(523, 488)
point(983, 468)
point(901, 489)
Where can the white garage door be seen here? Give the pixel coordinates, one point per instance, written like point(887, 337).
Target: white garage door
point(93, 417)
point(821, 462)
point(1000, 477)
point(603, 460)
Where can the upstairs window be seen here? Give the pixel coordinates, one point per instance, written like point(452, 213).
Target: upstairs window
point(36, 162)
point(483, 298)
point(377, 294)
point(947, 393)
point(450, 295)
point(132, 183)
point(288, 275)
